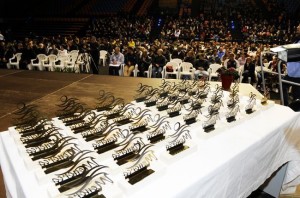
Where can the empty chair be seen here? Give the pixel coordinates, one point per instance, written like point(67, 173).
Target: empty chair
point(188, 69)
point(14, 61)
point(37, 62)
point(83, 63)
point(60, 63)
point(103, 56)
point(212, 70)
point(70, 63)
point(171, 68)
point(50, 62)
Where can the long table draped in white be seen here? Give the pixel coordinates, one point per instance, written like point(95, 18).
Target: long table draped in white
point(225, 163)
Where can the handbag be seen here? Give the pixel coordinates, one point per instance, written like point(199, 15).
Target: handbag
point(169, 68)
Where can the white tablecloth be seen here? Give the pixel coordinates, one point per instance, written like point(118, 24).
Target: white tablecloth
point(229, 163)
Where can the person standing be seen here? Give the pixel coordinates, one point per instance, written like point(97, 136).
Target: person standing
point(293, 74)
point(94, 52)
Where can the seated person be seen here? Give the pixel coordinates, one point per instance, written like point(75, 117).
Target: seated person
point(190, 57)
point(116, 59)
point(144, 63)
point(231, 62)
point(130, 61)
point(158, 62)
point(249, 71)
point(259, 74)
point(273, 78)
point(201, 65)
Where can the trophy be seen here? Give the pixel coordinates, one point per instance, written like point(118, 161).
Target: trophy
point(264, 100)
point(158, 129)
point(230, 116)
point(179, 139)
point(138, 170)
point(251, 103)
point(209, 124)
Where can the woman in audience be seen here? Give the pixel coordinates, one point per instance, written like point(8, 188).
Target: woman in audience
point(249, 72)
point(130, 61)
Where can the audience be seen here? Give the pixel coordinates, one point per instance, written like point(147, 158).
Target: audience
point(201, 40)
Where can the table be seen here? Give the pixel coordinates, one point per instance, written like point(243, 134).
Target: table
point(229, 163)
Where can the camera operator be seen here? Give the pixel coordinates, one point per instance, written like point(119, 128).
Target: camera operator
point(94, 52)
point(293, 74)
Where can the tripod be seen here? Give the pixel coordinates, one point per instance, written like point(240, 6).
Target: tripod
point(86, 60)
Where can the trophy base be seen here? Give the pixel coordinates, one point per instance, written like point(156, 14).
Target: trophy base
point(150, 104)
point(140, 99)
point(126, 158)
point(162, 108)
point(190, 121)
point(185, 101)
point(209, 128)
point(231, 119)
point(139, 129)
point(249, 111)
point(156, 138)
point(106, 147)
point(63, 164)
point(139, 175)
point(174, 114)
point(123, 122)
point(177, 149)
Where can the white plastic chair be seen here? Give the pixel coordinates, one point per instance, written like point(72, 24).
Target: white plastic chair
point(41, 58)
point(176, 60)
point(83, 62)
point(14, 63)
point(50, 63)
point(149, 72)
point(103, 56)
point(186, 68)
point(70, 63)
point(213, 70)
point(175, 68)
point(121, 70)
point(136, 70)
point(60, 63)
point(240, 71)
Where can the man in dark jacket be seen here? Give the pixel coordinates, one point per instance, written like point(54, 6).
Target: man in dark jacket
point(158, 62)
